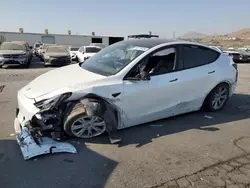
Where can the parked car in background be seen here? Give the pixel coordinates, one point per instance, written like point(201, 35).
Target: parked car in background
point(86, 52)
point(36, 48)
point(98, 45)
point(42, 49)
point(56, 55)
point(15, 53)
point(244, 56)
point(73, 51)
point(239, 56)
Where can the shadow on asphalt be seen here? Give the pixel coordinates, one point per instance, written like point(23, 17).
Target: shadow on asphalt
point(237, 108)
point(90, 169)
point(85, 169)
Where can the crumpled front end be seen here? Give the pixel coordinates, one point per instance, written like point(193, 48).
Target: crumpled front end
point(38, 126)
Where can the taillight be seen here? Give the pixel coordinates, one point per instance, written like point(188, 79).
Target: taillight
point(235, 66)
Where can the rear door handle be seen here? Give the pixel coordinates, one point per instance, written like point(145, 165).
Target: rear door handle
point(211, 72)
point(173, 80)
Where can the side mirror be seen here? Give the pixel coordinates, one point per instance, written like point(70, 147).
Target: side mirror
point(31, 47)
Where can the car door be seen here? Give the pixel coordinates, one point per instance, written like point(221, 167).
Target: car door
point(150, 100)
point(198, 75)
point(165, 87)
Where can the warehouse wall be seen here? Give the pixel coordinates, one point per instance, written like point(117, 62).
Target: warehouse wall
point(74, 40)
point(30, 38)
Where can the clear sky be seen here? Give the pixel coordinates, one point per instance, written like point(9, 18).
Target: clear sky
point(124, 17)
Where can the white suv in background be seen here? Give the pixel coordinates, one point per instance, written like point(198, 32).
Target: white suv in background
point(86, 52)
point(73, 51)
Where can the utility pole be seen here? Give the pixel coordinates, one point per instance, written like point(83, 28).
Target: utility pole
point(174, 35)
point(150, 33)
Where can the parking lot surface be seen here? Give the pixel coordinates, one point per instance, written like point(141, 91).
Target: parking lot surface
point(194, 150)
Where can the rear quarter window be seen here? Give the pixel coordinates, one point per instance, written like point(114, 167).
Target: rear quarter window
point(194, 56)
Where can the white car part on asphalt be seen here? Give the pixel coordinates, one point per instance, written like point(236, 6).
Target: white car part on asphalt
point(43, 145)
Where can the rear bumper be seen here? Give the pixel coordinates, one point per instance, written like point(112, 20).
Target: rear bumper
point(232, 89)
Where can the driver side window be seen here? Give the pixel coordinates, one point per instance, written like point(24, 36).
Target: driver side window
point(160, 62)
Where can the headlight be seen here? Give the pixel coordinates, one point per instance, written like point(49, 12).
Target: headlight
point(53, 102)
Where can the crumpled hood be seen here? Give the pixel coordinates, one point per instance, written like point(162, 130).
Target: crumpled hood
point(59, 79)
point(7, 52)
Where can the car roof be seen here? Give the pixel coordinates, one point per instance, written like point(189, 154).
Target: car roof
point(148, 43)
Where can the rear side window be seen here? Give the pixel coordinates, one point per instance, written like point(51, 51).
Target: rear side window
point(194, 56)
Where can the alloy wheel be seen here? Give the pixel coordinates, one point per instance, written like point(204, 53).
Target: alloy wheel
point(88, 126)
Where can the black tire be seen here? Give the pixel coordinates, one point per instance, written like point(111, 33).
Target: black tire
point(209, 101)
point(75, 111)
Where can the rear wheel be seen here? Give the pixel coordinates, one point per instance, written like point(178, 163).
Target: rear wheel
point(218, 97)
point(78, 124)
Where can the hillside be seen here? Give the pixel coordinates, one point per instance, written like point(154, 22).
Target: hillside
point(235, 39)
point(243, 33)
point(193, 35)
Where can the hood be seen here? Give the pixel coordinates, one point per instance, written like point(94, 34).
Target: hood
point(59, 79)
point(3, 52)
point(56, 54)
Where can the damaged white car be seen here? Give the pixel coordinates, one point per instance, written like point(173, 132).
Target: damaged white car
point(128, 83)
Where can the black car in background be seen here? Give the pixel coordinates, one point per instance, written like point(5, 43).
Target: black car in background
point(239, 56)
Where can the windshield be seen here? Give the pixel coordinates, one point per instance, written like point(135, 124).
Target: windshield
point(112, 59)
point(12, 46)
point(56, 49)
point(92, 49)
point(74, 49)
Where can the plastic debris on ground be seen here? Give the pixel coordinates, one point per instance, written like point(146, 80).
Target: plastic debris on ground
point(208, 117)
point(32, 147)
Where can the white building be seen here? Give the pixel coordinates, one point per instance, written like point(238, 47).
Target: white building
point(63, 39)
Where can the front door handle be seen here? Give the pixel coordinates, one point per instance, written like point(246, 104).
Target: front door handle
point(173, 80)
point(211, 72)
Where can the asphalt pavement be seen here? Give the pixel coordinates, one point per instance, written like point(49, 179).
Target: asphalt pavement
point(194, 150)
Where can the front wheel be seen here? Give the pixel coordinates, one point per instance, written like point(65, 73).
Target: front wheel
point(218, 97)
point(78, 123)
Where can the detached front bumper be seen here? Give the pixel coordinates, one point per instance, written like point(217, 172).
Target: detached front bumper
point(32, 144)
